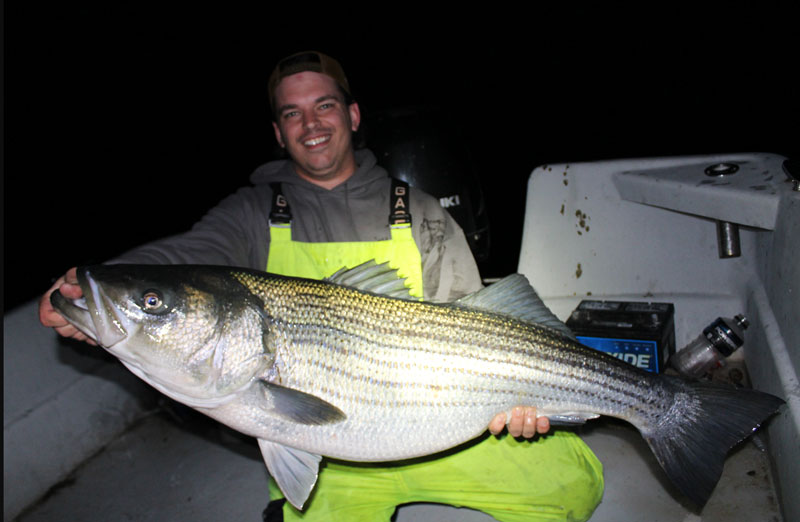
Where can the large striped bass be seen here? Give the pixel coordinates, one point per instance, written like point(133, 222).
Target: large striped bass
point(340, 369)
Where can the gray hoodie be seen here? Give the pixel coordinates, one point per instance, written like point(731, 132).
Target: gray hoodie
point(236, 232)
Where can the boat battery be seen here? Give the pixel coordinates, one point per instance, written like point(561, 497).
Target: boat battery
point(642, 334)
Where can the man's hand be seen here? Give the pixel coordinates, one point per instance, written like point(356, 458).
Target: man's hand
point(523, 422)
point(68, 286)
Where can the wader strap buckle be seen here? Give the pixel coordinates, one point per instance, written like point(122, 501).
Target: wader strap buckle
point(399, 211)
point(280, 213)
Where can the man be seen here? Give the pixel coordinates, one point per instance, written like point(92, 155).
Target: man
point(328, 207)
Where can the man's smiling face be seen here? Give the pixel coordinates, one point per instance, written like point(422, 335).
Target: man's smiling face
point(315, 125)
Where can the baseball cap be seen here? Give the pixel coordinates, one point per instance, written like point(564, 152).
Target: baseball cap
point(307, 61)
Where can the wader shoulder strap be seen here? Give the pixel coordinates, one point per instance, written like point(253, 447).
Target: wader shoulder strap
point(399, 212)
point(280, 213)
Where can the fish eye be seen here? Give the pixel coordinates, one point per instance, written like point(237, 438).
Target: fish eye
point(152, 300)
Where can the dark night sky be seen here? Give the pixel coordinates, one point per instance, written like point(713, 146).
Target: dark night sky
point(125, 123)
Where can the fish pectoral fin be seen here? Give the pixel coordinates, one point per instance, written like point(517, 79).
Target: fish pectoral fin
point(572, 418)
point(299, 406)
point(295, 471)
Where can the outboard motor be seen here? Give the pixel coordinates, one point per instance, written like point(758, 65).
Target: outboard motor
point(420, 146)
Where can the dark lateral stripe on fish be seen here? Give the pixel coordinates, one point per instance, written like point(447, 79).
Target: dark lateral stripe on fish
point(330, 315)
point(600, 385)
point(613, 382)
point(368, 397)
point(614, 379)
point(624, 400)
point(521, 336)
point(416, 401)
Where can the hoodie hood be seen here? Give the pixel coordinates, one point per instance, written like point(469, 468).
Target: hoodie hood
point(338, 214)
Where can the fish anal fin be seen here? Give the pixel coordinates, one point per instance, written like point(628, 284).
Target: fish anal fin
point(567, 418)
point(295, 471)
point(298, 406)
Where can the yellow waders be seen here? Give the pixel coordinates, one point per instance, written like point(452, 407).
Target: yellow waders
point(555, 477)
point(317, 260)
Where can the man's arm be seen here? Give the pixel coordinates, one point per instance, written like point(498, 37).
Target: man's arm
point(224, 236)
point(229, 234)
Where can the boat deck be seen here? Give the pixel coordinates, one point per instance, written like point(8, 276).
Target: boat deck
point(168, 468)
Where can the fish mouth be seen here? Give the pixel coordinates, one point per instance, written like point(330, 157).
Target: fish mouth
point(75, 311)
point(94, 314)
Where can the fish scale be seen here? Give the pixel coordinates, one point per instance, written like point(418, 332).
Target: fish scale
point(315, 368)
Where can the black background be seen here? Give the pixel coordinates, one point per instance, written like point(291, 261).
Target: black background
point(126, 122)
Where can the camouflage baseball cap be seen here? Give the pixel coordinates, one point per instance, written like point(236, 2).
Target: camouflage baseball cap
point(307, 61)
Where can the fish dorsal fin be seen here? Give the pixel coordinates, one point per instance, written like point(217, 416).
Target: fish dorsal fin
point(295, 471)
point(514, 296)
point(373, 277)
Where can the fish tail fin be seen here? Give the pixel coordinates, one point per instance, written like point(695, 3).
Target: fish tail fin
point(705, 421)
